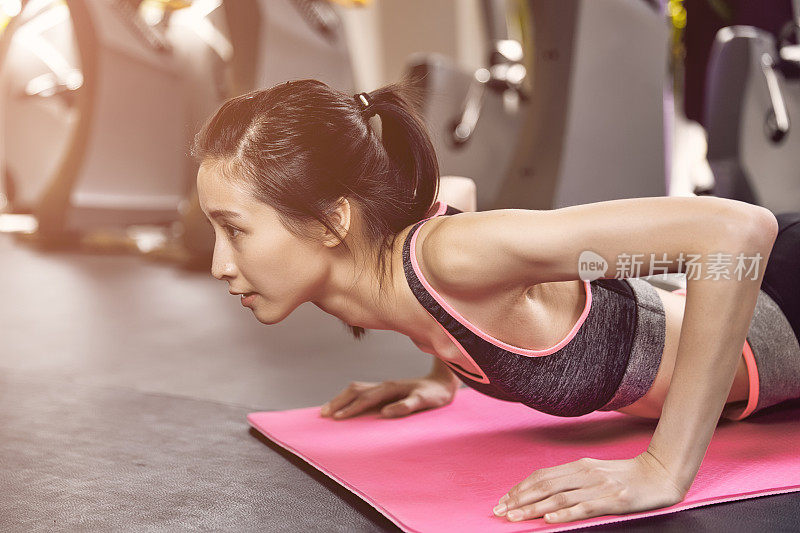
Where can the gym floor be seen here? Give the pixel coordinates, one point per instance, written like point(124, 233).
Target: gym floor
point(124, 386)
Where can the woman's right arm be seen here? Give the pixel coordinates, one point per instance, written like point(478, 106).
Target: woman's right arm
point(442, 372)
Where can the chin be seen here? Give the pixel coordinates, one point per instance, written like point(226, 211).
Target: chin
point(269, 319)
point(266, 320)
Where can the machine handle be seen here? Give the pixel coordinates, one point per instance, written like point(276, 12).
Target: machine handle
point(500, 77)
point(472, 107)
point(778, 104)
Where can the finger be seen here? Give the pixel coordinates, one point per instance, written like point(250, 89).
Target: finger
point(586, 509)
point(361, 404)
point(368, 399)
point(338, 402)
point(544, 475)
point(556, 502)
point(343, 398)
point(545, 489)
point(413, 402)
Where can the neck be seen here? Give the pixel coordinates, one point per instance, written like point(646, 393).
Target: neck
point(351, 292)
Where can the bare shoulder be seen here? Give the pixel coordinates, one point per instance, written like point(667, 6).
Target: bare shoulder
point(508, 249)
point(447, 263)
point(460, 265)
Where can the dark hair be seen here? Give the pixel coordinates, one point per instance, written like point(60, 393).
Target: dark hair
point(302, 145)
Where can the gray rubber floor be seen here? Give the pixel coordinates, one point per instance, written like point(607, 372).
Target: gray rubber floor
point(124, 385)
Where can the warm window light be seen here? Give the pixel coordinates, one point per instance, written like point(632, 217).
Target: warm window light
point(195, 17)
point(147, 238)
point(353, 3)
point(10, 8)
point(18, 223)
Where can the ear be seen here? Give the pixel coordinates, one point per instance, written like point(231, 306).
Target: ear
point(340, 218)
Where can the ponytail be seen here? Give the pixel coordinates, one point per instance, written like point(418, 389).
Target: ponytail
point(405, 138)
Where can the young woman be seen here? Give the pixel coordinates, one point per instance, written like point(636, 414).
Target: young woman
point(310, 203)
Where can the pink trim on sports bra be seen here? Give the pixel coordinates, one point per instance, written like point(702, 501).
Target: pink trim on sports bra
point(477, 331)
point(442, 207)
point(455, 367)
point(475, 370)
point(752, 374)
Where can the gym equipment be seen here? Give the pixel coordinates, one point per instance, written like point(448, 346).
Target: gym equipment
point(279, 40)
point(574, 133)
point(111, 93)
point(274, 41)
point(752, 106)
point(101, 95)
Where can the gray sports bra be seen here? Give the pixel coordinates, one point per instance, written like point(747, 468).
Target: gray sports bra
point(611, 356)
point(604, 363)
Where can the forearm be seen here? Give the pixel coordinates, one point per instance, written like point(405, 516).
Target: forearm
point(716, 320)
point(442, 372)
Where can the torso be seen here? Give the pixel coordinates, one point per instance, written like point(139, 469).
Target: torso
point(540, 316)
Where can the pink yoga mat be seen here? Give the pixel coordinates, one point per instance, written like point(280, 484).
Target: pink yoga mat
point(444, 469)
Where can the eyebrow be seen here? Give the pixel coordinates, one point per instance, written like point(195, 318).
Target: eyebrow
point(217, 213)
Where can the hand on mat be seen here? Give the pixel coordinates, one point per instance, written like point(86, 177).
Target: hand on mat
point(592, 487)
point(407, 395)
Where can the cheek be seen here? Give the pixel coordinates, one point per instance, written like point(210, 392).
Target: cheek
point(276, 268)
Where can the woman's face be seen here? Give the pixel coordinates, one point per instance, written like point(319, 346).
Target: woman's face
point(254, 252)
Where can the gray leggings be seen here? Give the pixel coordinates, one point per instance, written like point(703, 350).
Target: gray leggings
point(782, 276)
point(775, 330)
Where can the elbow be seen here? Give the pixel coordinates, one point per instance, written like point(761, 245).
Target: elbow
point(747, 228)
point(762, 227)
point(743, 222)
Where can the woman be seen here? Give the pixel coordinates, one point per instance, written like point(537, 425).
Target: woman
point(309, 203)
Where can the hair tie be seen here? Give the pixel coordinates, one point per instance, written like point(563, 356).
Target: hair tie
point(364, 101)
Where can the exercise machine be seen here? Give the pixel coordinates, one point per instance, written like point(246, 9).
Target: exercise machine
point(100, 100)
point(570, 109)
point(752, 109)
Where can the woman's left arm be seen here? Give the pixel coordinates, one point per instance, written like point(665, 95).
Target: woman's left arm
point(717, 316)
point(716, 320)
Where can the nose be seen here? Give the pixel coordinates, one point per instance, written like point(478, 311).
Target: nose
point(222, 264)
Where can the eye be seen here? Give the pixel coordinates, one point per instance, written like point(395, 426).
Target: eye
point(232, 231)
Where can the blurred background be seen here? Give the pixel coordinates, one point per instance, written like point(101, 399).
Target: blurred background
point(108, 310)
point(542, 104)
